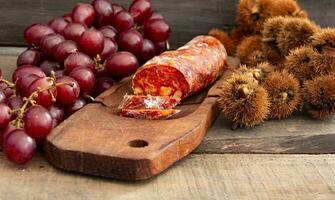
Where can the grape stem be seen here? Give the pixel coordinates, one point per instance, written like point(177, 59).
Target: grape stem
point(139, 28)
point(98, 65)
point(9, 84)
point(18, 122)
point(89, 97)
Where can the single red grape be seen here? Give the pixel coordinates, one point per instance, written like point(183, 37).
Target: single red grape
point(117, 8)
point(58, 24)
point(49, 42)
point(103, 12)
point(6, 132)
point(30, 57)
point(92, 42)
point(19, 147)
point(109, 31)
point(83, 13)
point(35, 32)
point(102, 84)
point(67, 94)
point(131, 41)
point(8, 92)
point(157, 30)
point(14, 102)
point(73, 31)
point(25, 70)
point(140, 10)
point(57, 113)
point(59, 73)
point(85, 78)
point(3, 85)
point(123, 21)
point(5, 115)
point(23, 83)
point(3, 97)
point(146, 52)
point(37, 122)
point(48, 66)
point(64, 49)
point(122, 64)
point(110, 47)
point(160, 47)
point(46, 97)
point(77, 59)
point(79, 104)
point(155, 15)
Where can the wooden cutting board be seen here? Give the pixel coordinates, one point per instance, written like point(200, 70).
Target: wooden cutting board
point(97, 141)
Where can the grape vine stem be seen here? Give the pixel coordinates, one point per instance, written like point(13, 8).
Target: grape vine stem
point(18, 122)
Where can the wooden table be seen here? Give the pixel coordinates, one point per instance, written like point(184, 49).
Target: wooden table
point(210, 172)
point(288, 159)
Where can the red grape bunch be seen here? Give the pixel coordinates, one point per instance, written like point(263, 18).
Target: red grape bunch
point(70, 60)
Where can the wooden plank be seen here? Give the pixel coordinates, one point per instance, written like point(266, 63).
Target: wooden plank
point(298, 134)
point(7, 65)
point(187, 18)
point(197, 177)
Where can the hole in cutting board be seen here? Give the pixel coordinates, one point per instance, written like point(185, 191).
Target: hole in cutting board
point(138, 143)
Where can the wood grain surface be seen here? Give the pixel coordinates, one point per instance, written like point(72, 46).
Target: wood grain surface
point(197, 177)
point(187, 18)
point(296, 135)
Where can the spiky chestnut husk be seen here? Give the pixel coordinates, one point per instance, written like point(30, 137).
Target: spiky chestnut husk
point(288, 8)
point(319, 94)
point(251, 14)
point(324, 64)
point(272, 27)
point(252, 51)
point(238, 34)
point(270, 32)
point(272, 54)
point(324, 41)
point(244, 101)
point(294, 33)
point(224, 39)
point(284, 94)
point(259, 72)
point(255, 58)
point(247, 46)
point(300, 62)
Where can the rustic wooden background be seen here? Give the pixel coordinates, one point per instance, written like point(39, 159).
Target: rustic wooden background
point(187, 18)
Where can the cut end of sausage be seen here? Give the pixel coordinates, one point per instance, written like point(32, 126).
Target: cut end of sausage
point(161, 80)
point(147, 102)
